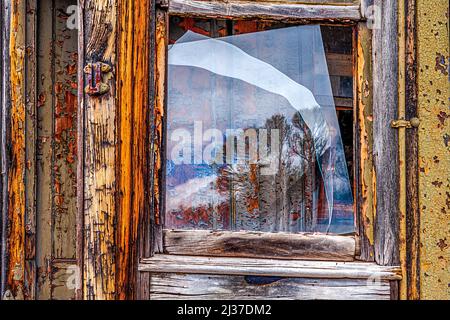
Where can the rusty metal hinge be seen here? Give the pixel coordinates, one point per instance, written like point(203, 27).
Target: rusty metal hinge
point(162, 4)
point(97, 77)
point(402, 123)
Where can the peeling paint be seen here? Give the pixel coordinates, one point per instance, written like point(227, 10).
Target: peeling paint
point(434, 152)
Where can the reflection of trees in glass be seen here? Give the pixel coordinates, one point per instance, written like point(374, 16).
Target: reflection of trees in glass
point(240, 196)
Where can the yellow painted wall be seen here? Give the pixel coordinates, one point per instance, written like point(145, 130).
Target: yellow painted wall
point(434, 147)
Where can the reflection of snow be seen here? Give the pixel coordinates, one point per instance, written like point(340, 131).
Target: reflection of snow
point(195, 193)
point(228, 84)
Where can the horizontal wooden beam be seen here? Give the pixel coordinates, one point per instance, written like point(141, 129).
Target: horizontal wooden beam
point(257, 10)
point(222, 287)
point(269, 268)
point(260, 245)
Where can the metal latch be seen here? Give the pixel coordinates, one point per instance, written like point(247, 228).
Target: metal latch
point(96, 75)
point(412, 123)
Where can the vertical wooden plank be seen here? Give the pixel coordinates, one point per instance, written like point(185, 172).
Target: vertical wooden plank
point(133, 67)
point(125, 95)
point(31, 142)
point(17, 149)
point(386, 158)
point(402, 145)
point(412, 159)
point(44, 149)
point(364, 141)
point(99, 44)
point(62, 276)
point(157, 167)
point(56, 144)
point(13, 147)
point(81, 120)
point(144, 238)
point(4, 132)
point(64, 134)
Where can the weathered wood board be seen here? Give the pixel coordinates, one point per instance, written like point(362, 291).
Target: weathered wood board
point(260, 245)
point(268, 267)
point(275, 10)
point(56, 150)
point(217, 287)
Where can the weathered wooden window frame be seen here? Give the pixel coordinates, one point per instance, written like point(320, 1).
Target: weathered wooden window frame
point(110, 246)
point(370, 240)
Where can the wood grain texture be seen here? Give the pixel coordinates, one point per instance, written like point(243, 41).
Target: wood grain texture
point(99, 43)
point(133, 68)
point(144, 237)
point(385, 109)
point(158, 121)
point(31, 125)
point(13, 149)
point(255, 10)
point(115, 166)
point(213, 287)
point(364, 142)
point(64, 279)
point(56, 146)
point(412, 158)
point(4, 137)
point(44, 150)
point(80, 156)
point(261, 245)
point(268, 268)
point(64, 137)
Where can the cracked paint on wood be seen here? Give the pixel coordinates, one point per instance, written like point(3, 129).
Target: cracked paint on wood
point(364, 110)
point(100, 143)
point(434, 148)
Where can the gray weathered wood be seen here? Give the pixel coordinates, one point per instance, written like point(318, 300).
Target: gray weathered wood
point(260, 245)
point(31, 78)
point(246, 10)
point(4, 19)
point(5, 107)
point(268, 267)
point(412, 157)
point(385, 109)
point(188, 287)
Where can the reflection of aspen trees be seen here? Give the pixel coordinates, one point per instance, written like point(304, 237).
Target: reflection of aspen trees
point(250, 83)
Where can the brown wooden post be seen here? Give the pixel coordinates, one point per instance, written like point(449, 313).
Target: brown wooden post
point(17, 138)
point(133, 93)
point(99, 145)
point(113, 144)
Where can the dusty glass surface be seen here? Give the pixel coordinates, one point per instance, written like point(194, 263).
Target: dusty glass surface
point(253, 139)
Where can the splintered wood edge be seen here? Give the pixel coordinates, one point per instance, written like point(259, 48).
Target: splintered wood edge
point(269, 267)
point(261, 245)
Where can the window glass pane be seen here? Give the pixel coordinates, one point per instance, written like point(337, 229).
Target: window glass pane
point(254, 142)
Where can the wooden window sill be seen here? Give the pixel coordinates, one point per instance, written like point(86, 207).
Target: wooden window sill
point(261, 245)
point(268, 267)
